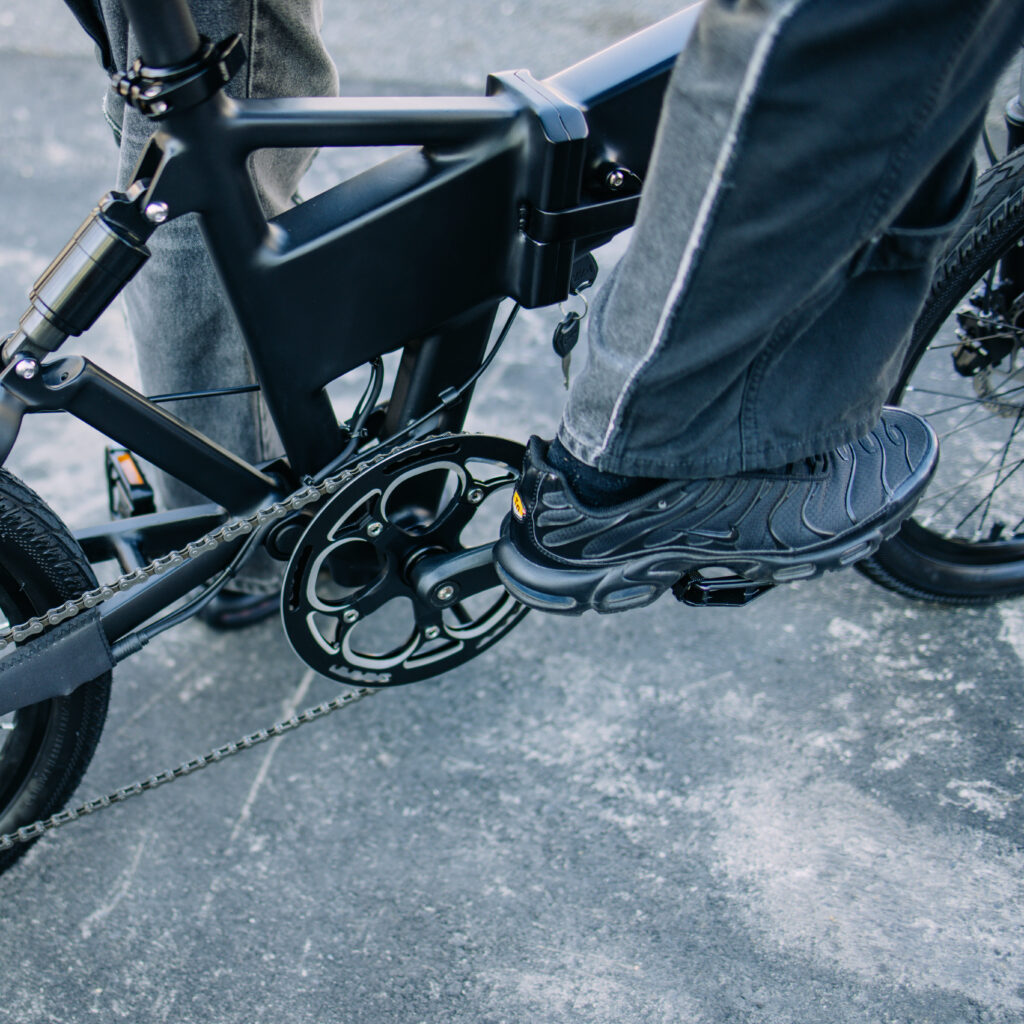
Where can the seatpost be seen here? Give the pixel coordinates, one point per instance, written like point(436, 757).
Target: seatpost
point(165, 30)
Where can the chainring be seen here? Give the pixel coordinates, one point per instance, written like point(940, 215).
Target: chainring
point(359, 604)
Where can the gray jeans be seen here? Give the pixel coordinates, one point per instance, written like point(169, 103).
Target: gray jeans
point(812, 157)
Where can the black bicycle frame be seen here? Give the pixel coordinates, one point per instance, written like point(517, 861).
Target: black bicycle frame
point(499, 199)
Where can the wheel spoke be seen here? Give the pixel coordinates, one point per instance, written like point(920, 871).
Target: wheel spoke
point(986, 400)
point(964, 425)
point(1002, 463)
point(995, 488)
point(960, 487)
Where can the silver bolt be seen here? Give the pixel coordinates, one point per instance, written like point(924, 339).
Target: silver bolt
point(431, 632)
point(475, 496)
point(444, 593)
point(374, 529)
point(158, 108)
point(157, 213)
point(350, 616)
point(615, 179)
point(26, 369)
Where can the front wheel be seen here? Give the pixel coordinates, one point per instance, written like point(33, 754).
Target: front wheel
point(44, 748)
point(965, 374)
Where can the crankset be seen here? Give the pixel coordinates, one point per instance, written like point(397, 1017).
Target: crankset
point(392, 581)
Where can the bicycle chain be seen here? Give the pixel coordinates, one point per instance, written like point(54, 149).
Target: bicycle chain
point(237, 527)
point(27, 833)
point(295, 502)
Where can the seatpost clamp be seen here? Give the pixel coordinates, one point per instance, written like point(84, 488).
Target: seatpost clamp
point(159, 92)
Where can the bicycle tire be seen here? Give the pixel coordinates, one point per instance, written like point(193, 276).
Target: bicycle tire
point(44, 748)
point(929, 558)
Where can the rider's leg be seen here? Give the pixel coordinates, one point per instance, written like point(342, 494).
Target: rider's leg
point(762, 308)
point(185, 334)
point(811, 158)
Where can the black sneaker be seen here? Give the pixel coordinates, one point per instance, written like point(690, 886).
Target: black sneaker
point(771, 526)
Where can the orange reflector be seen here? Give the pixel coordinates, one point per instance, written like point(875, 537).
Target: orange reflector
point(130, 470)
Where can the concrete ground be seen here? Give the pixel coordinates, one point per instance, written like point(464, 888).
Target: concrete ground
point(805, 811)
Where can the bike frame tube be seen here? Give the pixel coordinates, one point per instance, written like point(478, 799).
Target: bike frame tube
point(395, 254)
point(414, 254)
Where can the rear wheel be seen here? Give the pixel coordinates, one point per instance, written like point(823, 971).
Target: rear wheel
point(965, 542)
point(44, 748)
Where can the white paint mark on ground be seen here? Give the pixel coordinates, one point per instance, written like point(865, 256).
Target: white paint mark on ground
point(849, 633)
point(824, 870)
point(288, 707)
point(196, 685)
point(581, 986)
point(920, 725)
point(1012, 632)
point(16, 258)
point(104, 910)
point(982, 797)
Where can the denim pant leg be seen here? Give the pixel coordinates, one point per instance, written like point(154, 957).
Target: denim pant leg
point(811, 159)
point(186, 336)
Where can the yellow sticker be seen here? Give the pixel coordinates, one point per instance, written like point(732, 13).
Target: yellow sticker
point(518, 508)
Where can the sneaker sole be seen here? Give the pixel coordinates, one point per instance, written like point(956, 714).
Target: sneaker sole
point(641, 580)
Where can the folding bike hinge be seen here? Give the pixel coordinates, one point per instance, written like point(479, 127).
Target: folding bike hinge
point(720, 592)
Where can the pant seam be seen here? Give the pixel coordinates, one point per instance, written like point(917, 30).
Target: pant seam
point(708, 205)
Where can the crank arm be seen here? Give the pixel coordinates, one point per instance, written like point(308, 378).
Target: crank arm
point(444, 580)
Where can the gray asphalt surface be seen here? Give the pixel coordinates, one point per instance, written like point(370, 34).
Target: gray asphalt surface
point(805, 811)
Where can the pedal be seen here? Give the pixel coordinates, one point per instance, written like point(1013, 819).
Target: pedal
point(717, 592)
point(128, 493)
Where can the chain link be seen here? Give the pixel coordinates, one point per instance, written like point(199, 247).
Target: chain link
point(299, 499)
point(27, 833)
point(295, 502)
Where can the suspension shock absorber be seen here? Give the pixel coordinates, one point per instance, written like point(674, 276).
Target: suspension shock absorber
point(103, 255)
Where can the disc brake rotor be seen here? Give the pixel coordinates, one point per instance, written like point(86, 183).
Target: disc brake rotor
point(392, 580)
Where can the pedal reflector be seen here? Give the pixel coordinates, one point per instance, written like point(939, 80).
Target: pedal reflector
point(128, 492)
